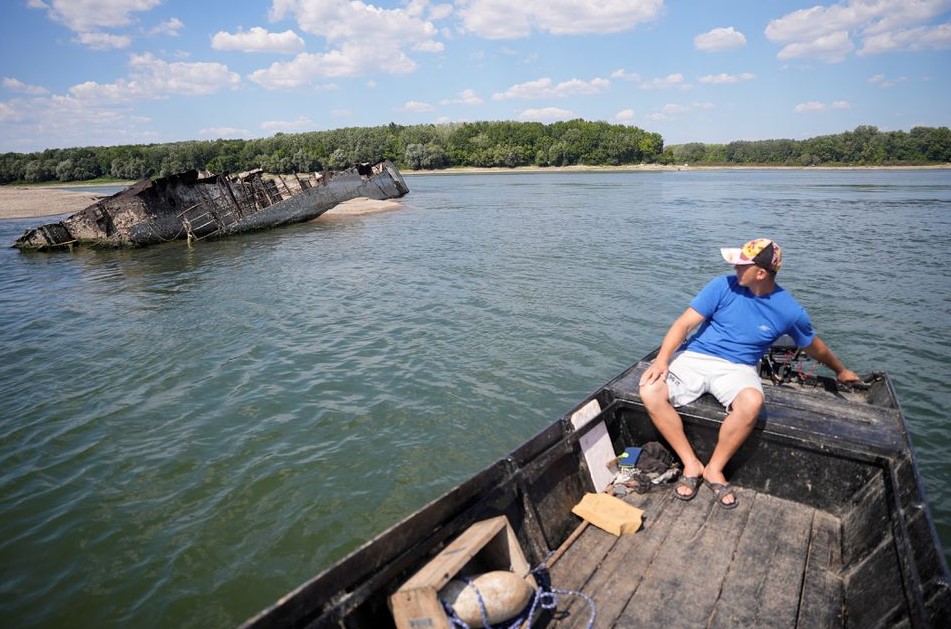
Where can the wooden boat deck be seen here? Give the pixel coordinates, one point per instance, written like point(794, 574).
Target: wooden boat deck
point(768, 563)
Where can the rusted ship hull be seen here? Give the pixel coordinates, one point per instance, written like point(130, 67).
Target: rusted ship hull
point(197, 205)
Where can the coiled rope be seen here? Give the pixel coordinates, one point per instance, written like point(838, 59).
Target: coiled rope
point(545, 597)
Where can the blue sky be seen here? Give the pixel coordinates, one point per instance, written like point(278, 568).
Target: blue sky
point(106, 72)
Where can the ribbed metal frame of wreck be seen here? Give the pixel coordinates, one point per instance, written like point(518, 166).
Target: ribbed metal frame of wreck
point(197, 205)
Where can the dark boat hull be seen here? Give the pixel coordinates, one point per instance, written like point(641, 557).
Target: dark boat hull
point(194, 205)
point(842, 456)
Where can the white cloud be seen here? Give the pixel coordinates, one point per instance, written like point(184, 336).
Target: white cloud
point(817, 106)
point(466, 97)
point(224, 132)
point(151, 78)
point(881, 81)
point(349, 61)
point(103, 41)
point(624, 75)
point(84, 16)
point(416, 106)
point(8, 112)
point(915, 39)
point(543, 88)
point(625, 116)
point(345, 21)
point(727, 78)
point(169, 27)
point(365, 39)
point(546, 114)
point(827, 32)
point(429, 46)
point(667, 82)
point(302, 123)
point(503, 19)
point(88, 18)
point(16, 85)
point(673, 110)
point(258, 40)
point(74, 122)
point(719, 39)
point(809, 106)
point(440, 11)
point(830, 48)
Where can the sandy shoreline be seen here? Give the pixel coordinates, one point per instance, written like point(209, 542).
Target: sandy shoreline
point(36, 201)
point(40, 201)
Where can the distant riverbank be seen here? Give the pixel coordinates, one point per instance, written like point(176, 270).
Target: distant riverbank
point(654, 167)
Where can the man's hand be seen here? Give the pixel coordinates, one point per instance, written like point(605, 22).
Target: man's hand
point(847, 375)
point(656, 371)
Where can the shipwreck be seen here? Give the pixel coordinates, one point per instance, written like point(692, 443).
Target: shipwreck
point(196, 205)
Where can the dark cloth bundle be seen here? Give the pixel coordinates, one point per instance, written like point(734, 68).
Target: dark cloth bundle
point(655, 458)
point(655, 465)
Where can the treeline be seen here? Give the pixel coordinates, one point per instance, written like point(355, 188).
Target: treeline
point(472, 144)
point(865, 146)
point(477, 144)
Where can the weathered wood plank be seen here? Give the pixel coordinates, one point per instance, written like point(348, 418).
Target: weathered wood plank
point(620, 572)
point(762, 586)
point(577, 570)
point(823, 596)
point(682, 583)
point(581, 560)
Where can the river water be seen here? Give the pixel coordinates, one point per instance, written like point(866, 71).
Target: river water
point(186, 433)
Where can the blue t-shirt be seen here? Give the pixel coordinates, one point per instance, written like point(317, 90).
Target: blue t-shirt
point(740, 327)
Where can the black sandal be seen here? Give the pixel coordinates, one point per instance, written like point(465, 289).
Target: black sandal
point(721, 491)
point(690, 482)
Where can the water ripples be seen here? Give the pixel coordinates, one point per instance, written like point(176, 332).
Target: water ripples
point(188, 433)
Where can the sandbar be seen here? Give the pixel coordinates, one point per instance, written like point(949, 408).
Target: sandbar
point(36, 201)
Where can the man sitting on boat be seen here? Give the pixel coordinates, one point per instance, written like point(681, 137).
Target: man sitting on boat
point(739, 317)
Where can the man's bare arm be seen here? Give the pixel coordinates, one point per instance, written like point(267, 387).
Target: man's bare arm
point(675, 336)
point(821, 352)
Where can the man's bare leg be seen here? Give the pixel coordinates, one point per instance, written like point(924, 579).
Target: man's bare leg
point(668, 422)
point(735, 429)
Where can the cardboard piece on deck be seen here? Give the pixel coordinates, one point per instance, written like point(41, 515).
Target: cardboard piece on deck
point(609, 513)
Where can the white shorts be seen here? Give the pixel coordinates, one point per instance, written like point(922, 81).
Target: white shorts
point(691, 374)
